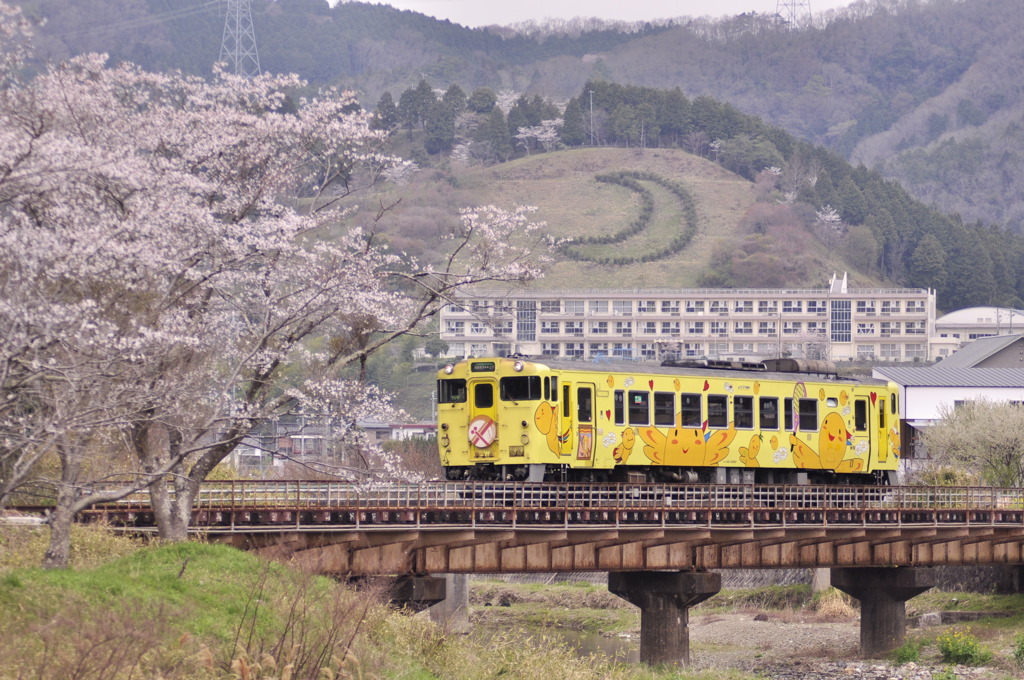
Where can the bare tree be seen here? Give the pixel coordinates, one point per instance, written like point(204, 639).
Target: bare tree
point(982, 437)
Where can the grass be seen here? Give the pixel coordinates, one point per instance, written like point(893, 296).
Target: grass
point(194, 611)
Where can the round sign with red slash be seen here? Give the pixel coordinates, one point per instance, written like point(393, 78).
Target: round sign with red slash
point(482, 431)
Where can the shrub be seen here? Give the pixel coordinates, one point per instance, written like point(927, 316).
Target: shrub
point(1018, 650)
point(960, 646)
point(908, 652)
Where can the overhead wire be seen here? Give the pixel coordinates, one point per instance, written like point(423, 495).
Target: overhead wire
point(141, 22)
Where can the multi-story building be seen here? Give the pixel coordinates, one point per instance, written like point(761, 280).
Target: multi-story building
point(837, 322)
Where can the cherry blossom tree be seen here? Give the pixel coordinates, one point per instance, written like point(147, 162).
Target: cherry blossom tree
point(177, 264)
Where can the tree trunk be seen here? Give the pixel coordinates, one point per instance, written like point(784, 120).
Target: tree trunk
point(58, 554)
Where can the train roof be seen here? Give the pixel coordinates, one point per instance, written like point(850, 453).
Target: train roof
point(813, 370)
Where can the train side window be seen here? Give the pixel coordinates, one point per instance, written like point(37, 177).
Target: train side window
point(860, 415)
point(787, 415)
point(808, 415)
point(689, 409)
point(769, 413)
point(554, 388)
point(451, 391)
point(639, 408)
point(547, 389)
point(520, 388)
point(664, 408)
point(584, 405)
point(483, 395)
point(718, 410)
point(620, 407)
point(743, 412)
point(892, 404)
point(881, 414)
point(565, 401)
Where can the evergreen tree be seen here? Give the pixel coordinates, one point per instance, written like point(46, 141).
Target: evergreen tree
point(386, 115)
point(455, 99)
point(415, 104)
point(674, 114)
point(494, 136)
point(482, 100)
point(854, 207)
point(928, 264)
point(574, 129)
point(439, 128)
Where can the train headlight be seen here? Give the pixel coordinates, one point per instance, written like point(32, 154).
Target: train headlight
point(449, 369)
point(525, 439)
point(518, 366)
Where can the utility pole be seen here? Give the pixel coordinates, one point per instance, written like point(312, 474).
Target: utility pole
point(238, 46)
point(591, 117)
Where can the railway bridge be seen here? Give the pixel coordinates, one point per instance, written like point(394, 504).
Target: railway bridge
point(659, 542)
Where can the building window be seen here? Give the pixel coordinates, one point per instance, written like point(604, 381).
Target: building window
point(456, 308)
point(767, 307)
point(624, 329)
point(455, 327)
point(743, 347)
point(695, 306)
point(866, 307)
point(815, 306)
point(792, 327)
point(479, 306)
point(766, 327)
point(622, 307)
point(574, 328)
point(695, 327)
point(574, 307)
point(719, 307)
point(718, 349)
point(503, 329)
point(743, 328)
point(743, 306)
point(599, 349)
point(648, 351)
point(914, 327)
point(915, 351)
point(670, 307)
point(792, 306)
point(646, 306)
point(477, 328)
point(649, 327)
point(502, 306)
point(693, 349)
point(623, 350)
point(841, 320)
point(574, 349)
point(526, 321)
point(550, 327)
point(890, 307)
point(865, 329)
point(599, 327)
point(598, 307)
point(865, 351)
point(550, 349)
point(551, 306)
point(890, 328)
point(719, 328)
point(889, 350)
point(670, 328)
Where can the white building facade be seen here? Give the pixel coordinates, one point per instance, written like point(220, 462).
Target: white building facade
point(837, 323)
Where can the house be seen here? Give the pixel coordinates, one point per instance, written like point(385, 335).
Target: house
point(990, 368)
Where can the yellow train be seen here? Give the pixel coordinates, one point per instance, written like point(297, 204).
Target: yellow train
point(777, 422)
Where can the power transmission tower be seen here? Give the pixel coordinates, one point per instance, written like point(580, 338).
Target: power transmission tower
point(794, 12)
point(238, 46)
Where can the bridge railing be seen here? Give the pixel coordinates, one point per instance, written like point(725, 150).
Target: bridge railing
point(296, 494)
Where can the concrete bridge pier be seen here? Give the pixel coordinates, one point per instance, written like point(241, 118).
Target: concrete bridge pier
point(453, 612)
point(664, 598)
point(418, 592)
point(883, 593)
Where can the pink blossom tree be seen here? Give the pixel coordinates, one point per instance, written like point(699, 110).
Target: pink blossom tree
point(178, 264)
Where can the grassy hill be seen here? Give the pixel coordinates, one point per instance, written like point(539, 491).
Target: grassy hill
point(574, 204)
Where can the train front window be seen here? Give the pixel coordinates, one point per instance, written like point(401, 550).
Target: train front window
point(520, 388)
point(451, 391)
point(483, 395)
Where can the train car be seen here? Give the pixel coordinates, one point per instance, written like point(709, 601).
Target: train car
point(777, 422)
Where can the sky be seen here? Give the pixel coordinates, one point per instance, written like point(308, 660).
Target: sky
point(486, 12)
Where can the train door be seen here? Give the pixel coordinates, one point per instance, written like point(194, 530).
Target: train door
point(483, 412)
point(862, 430)
point(585, 418)
point(883, 437)
point(566, 426)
